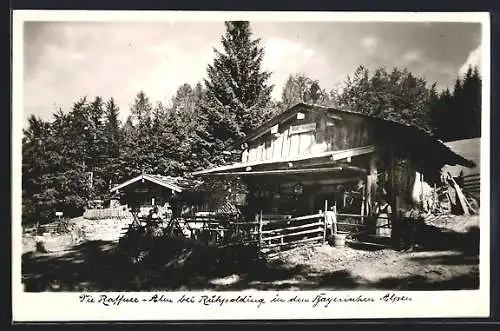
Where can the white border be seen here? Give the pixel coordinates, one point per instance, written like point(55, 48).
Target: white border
point(65, 306)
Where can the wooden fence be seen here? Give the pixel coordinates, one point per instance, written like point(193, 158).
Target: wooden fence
point(472, 183)
point(48, 228)
point(106, 213)
point(276, 233)
point(269, 234)
point(350, 224)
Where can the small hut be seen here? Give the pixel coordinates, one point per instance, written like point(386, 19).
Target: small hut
point(148, 190)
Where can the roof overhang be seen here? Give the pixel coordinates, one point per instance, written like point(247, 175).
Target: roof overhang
point(149, 178)
point(322, 162)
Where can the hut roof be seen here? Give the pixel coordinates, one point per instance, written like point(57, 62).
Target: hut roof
point(177, 184)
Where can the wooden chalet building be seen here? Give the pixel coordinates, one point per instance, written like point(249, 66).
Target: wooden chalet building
point(311, 156)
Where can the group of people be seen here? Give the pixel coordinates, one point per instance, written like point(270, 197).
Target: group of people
point(155, 215)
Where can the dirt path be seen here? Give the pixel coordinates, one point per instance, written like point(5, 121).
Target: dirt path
point(95, 265)
point(338, 268)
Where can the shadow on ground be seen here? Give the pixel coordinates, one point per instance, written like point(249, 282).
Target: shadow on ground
point(181, 265)
point(302, 279)
point(432, 238)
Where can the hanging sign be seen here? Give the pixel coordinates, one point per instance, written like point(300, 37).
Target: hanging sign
point(296, 129)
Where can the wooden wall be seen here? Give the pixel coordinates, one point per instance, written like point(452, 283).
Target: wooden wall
point(314, 133)
point(142, 193)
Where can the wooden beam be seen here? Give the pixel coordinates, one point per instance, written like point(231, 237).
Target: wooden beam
point(335, 117)
point(289, 228)
point(371, 182)
point(291, 171)
point(410, 173)
point(392, 202)
point(461, 197)
point(324, 221)
point(260, 233)
point(422, 203)
point(294, 242)
point(363, 197)
point(352, 215)
point(323, 182)
point(309, 163)
point(293, 234)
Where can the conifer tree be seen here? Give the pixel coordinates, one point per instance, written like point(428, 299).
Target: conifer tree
point(237, 92)
point(114, 140)
point(141, 109)
point(457, 113)
point(141, 151)
point(35, 163)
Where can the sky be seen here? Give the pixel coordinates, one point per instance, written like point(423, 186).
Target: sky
point(64, 61)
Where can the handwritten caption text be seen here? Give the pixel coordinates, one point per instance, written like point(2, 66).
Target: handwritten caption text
point(315, 301)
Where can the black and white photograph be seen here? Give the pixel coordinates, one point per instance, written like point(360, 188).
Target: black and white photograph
point(255, 155)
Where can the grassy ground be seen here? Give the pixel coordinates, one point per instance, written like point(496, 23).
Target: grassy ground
point(96, 265)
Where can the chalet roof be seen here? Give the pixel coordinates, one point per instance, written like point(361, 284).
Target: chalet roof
point(177, 184)
point(432, 153)
point(444, 153)
point(292, 111)
point(254, 165)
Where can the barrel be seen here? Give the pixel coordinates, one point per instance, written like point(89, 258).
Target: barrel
point(383, 228)
point(339, 240)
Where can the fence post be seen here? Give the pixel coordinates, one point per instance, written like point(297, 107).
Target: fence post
point(260, 233)
point(324, 222)
point(335, 219)
point(363, 201)
point(237, 230)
